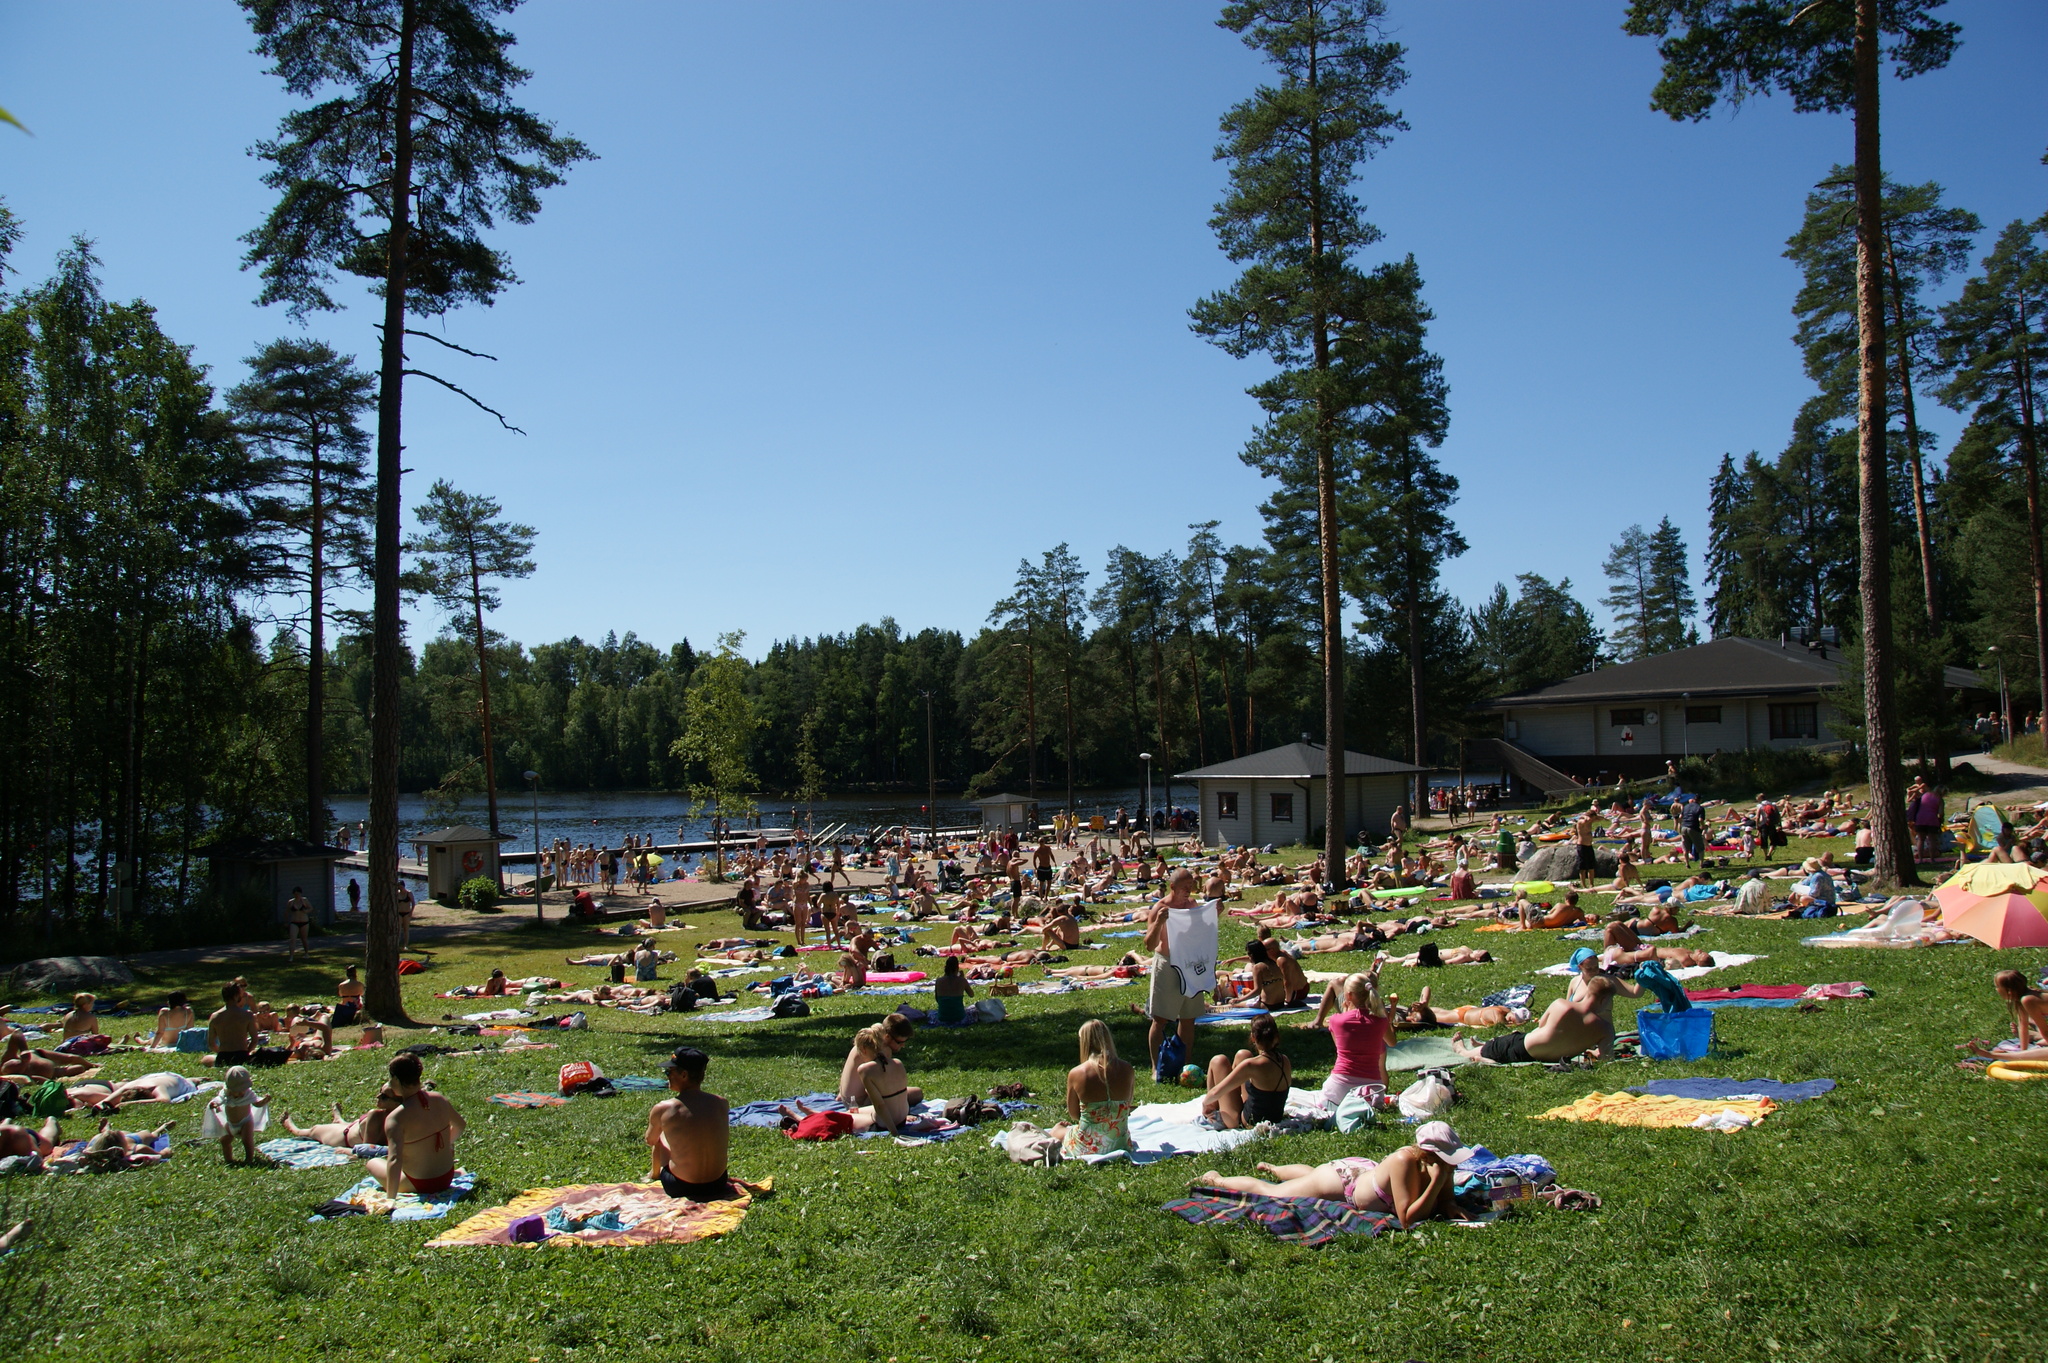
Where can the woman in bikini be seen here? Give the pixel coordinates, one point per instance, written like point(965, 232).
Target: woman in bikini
point(421, 1130)
point(1100, 1097)
point(2029, 1011)
point(1413, 1184)
point(350, 995)
point(1421, 1016)
point(1250, 1087)
point(342, 1133)
point(883, 1083)
point(174, 1017)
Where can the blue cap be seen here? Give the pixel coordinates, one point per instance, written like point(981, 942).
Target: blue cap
point(1582, 955)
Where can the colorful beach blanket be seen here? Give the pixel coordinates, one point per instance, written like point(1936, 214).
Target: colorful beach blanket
point(1738, 1088)
point(523, 1098)
point(618, 1214)
point(371, 1197)
point(293, 1153)
point(1308, 1221)
point(1650, 1109)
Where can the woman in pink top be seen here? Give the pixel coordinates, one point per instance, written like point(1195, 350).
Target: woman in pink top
point(1362, 1032)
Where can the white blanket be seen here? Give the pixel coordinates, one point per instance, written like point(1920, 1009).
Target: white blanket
point(1722, 960)
point(1161, 1130)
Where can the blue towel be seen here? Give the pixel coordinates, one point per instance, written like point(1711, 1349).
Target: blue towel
point(1652, 976)
point(1745, 1003)
point(1139, 933)
point(1711, 1089)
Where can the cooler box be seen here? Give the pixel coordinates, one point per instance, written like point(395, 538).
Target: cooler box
point(1676, 1036)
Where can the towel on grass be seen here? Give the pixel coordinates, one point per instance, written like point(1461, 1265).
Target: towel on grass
point(1722, 960)
point(1738, 1088)
point(369, 1195)
point(643, 1082)
point(293, 1153)
point(527, 1099)
point(1238, 1017)
point(1306, 1221)
point(768, 1112)
point(1651, 1109)
point(618, 1214)
point(1162, 1130)
point(744, 1015)
point(1711, 1004)
point(1596, 934)
point(1748, 991)
point(1514, 996)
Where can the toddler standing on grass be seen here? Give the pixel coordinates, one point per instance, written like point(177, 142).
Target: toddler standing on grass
point(238, 1110)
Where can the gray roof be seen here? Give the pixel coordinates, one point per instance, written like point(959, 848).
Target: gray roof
point(252, 848)
point(1729, 666)
point(1003, 799)
point(1297, 762)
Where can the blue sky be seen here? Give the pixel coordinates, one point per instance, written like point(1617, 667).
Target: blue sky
point(864, 303)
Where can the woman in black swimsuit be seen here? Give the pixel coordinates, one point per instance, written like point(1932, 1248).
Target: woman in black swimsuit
point(1252, 1086)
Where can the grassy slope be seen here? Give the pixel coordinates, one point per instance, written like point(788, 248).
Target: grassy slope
point(1900, 1215)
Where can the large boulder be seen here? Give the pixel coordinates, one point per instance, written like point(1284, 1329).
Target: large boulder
point(1559, 862)
point(68, 974)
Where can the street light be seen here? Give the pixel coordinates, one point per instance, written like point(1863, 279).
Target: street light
point(1147, 758)
point(931, 769)
point(539, 910)
point(2004, 704)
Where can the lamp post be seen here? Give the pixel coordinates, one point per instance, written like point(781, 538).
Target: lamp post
point(2004, 704)
point(1147, 759)
point(539, 907)
point(931, 769)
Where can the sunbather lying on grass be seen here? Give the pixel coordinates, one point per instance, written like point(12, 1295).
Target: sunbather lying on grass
point(1130, 967)
point(1431, 954)
point(342, 1133)
point(108, 1150)
point(1422, 1015)
point(162, 1087)
point(1671, 956)
point(2029, 1011)
point(21, 1061)
point(1413, 1184)
point(29, 1140)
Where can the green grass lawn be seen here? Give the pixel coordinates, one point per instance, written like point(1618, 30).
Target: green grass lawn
point(1900, 1216)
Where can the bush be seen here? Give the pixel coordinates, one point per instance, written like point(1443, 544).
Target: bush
point(1774, 771)
point(479, 893)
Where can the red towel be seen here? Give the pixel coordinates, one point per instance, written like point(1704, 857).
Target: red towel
point(1747, 991)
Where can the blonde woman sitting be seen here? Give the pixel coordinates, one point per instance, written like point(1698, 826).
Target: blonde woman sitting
point(1099, 1097)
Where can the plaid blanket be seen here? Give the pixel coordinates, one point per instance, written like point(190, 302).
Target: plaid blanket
point(1310, 1221)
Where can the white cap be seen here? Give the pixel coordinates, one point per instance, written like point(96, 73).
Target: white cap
point(1439, 1139)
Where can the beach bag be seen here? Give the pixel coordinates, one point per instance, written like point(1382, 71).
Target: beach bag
point(885, 961)
point(1426, 1097)
point(192, 1041)
point(1676, 1036)
point(577, 1075)
point(791, 1006)
point(991, 1010)
point(10, 1099)
point(411, 967)
point(1028, 1144)
point(47, 1099)
point(1360, 1107)
point(972, 1110)
point(682, 999)
point(92, 1043)
point(1172, 1055)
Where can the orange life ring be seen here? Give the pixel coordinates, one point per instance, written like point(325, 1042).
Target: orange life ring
point(472, 862)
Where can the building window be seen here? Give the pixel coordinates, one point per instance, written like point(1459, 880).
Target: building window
point(1226, 804)
point(1283, 809)
point(1623, 718)
point(1795, 721)
point(1702, 714)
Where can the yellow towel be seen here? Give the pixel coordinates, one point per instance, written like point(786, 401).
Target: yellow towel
point(1653, 1109)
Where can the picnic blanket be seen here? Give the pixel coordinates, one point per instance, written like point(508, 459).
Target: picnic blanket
point(1307, 1221)
point(768, 1112)
point(1748, 991)
point(744, 1015)
point(1656, 1109)
point(1162, 1130)
point(1595, 934)
point(618, 1214)
point(371, 1197)
point(1722, 960)
point(524, 1098)
point(1738, 1088)
point(1514, 996)
point(1423, 1053)
point(294, 1153)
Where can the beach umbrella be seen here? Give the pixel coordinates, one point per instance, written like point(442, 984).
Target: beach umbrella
point(1998, 904)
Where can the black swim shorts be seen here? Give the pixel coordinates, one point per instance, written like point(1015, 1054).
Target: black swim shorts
point(1589, 859)
point(716, 1190)
point(1511, 1049)
point(227, 1058)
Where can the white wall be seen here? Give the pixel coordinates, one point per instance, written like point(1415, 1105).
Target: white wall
point(1584, 730)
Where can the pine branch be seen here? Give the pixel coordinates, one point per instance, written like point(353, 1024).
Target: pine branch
point(449, 344)
point(421, 373)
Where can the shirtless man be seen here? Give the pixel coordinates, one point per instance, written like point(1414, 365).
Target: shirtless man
point(1580, 1023)
point(1041, 865)
point(1564, 915)
point(1670, 956)
point(231, 1031)
point(21, 1061)
point(1431, 954)
point(1060, 929)
point(1218, 884)
point(689, 1134)
point(421, 1133)
point(25, 1140)
point(1361, 937)
point(1589, 859)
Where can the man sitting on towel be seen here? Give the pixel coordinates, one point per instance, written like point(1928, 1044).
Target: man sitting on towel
point(1580, 1023)
point(690, 1133)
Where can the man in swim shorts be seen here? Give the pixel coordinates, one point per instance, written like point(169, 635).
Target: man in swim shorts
point(1580, 1023)
point(1167, 1006)
point(689, 1134)
point(1589, 858)
point(231, 1031)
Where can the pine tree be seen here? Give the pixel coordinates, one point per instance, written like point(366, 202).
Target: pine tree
point(416, 149)
point(301, 405)
point(1291, 218)
point(1671, 599)
point(466, 549)
point(1827, 57)
point(1631, 592)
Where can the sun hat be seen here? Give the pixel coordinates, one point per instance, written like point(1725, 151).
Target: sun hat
point(1580, 956)
point(1439, 1139)
point(239, 1081)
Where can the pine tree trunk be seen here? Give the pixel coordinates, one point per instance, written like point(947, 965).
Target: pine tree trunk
point(1894, 858)
point(1901, 344)
point(316, 661)
point(381, 996)
point(1416, 701)
point(483, 692)
point(2030, 452)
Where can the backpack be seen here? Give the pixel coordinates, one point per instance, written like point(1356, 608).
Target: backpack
point(790, 1005)
point(682, 999)
point(10, 1099)
point(1173, 1054)
point(885, 960)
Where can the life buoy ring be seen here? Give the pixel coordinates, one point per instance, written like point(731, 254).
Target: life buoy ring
point(2017, 1071)
point(472, 862)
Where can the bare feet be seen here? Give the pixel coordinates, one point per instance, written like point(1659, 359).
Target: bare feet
point(1209, 1178)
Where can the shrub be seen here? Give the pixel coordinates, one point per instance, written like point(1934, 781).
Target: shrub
point(1742, 774)
point(479, 893)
